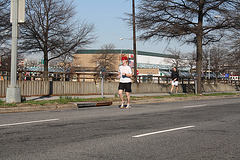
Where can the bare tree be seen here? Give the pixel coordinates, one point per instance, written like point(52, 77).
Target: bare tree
point(206, 59)
point(234, 47)
point(4, 22)
point(6, 59)
point(218, 59)
point(64, 62)
point(188, 21)
point(5, 30)
point(50, 29)
point(106, 59)
point(234, 59)
point(177, 61)
point(190, 60)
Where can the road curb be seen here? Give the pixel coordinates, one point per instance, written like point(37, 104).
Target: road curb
point(75, 105)
point(54, 107)
point(36, 108)
point(172, 99)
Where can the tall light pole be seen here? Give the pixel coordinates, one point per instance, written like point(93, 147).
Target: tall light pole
point(13, 94)
point(209, 69)
point(134, 42)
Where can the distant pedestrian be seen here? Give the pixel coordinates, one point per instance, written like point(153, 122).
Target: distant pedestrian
point(175, 78)
point(125, 75)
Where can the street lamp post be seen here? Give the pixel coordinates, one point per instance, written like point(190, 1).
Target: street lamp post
point(13, 94)
point(209, 67)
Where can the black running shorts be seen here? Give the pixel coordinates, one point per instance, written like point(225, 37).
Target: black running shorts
point(125, 87)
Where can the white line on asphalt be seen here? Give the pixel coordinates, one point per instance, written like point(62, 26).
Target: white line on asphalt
point(169, 130)
point(201, 105)
point(14, 124)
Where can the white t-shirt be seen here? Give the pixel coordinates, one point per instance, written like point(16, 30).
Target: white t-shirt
point(125, 69)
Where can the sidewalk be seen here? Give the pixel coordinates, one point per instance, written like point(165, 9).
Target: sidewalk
point(39, 98)
point(72, 105)
point(105, 96)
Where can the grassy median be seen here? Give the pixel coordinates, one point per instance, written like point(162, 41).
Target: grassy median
point(67, 99)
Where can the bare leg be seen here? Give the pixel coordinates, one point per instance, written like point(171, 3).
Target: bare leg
point(176, 89)
point(128, 97)
point(172, 88)
point(120, 92)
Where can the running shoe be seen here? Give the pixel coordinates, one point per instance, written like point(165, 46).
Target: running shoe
point(128, 106)
point(122, 105)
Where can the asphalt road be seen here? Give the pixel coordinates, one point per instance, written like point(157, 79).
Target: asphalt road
point(206, 129)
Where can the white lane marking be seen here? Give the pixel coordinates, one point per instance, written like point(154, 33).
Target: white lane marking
point(14, 124)
point(201, 105)
point(169, 130)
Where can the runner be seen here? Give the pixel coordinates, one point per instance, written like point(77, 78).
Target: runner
point(175, 77)
point(125, 75)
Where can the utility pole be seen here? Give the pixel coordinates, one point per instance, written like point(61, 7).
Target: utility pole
point(13, 94)
point(134, 42)
point(209, 69)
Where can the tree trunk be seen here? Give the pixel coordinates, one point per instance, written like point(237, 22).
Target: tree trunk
point(199, 37)
point(199, 64)
point(45, 76)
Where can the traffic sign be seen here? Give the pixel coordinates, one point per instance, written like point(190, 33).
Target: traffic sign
point(21, 11)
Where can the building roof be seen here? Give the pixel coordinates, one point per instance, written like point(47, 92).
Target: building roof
point(158, 66)
point(123, 51)
point(162, 67)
